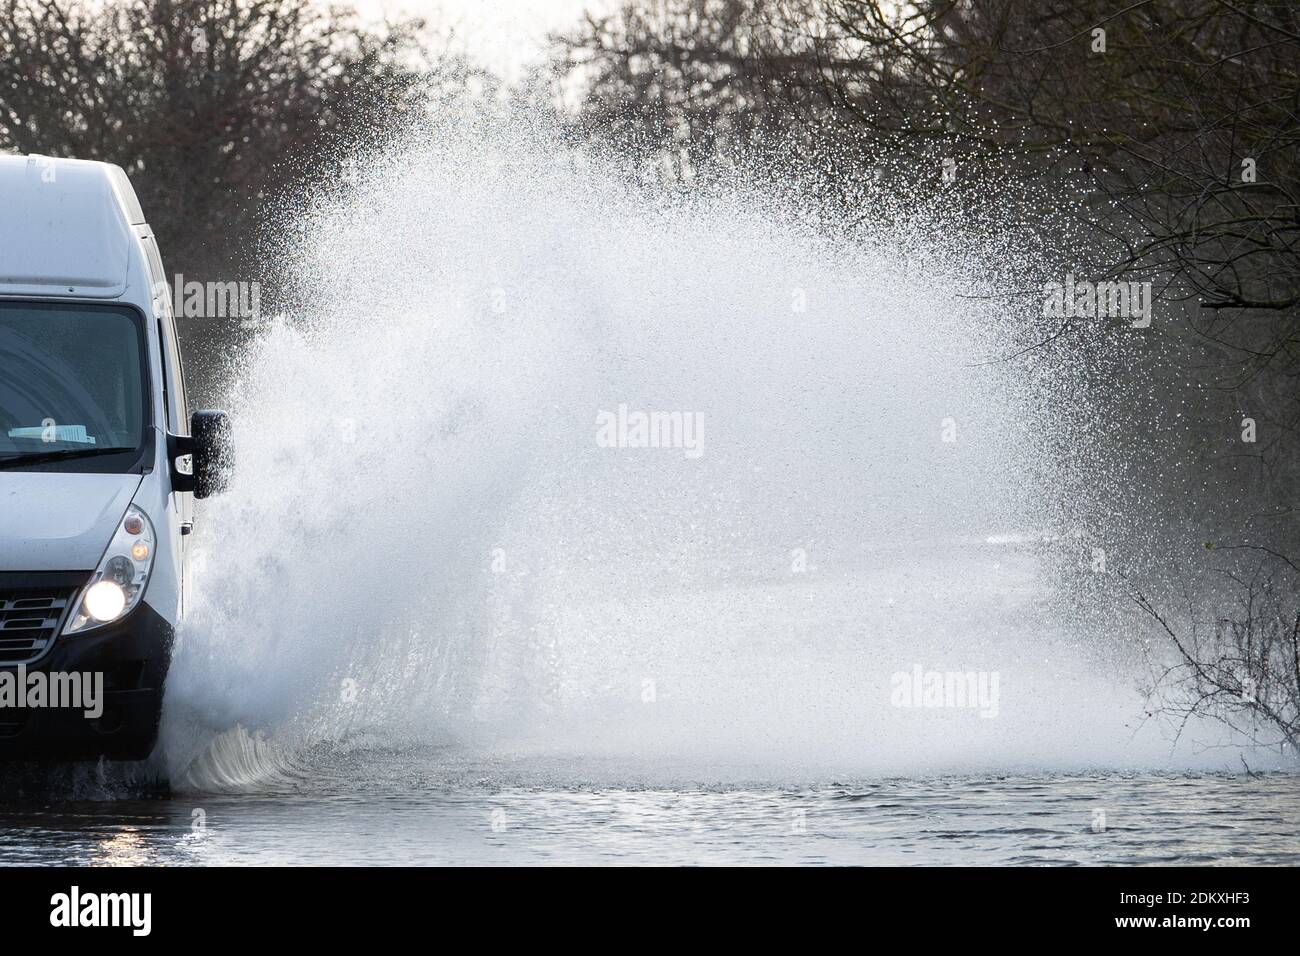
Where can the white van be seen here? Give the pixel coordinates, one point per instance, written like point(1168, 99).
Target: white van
point(99, 464)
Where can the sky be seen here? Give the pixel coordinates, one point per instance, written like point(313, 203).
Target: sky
point(506, 36)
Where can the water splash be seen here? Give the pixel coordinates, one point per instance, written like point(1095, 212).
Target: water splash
point(426, 543)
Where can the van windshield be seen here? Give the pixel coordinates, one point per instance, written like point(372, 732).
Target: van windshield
point(72, 390)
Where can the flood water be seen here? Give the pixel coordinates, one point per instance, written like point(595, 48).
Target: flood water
point(438, 807)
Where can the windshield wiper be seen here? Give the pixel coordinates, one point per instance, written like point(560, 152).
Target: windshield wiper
point(63, 454)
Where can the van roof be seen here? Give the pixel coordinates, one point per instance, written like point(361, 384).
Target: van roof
point(67, 228)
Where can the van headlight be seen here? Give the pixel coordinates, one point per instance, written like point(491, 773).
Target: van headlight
point(118, 583)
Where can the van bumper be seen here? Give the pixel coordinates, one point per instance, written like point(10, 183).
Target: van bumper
point(133, 656)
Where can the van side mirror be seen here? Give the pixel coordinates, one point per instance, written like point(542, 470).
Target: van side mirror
point(208, 445)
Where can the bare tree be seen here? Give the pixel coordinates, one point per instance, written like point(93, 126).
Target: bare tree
point(1183, 114)
point(1244, 669)
point(689, 81)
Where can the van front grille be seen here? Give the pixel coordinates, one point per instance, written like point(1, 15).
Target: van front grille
point(30, 618)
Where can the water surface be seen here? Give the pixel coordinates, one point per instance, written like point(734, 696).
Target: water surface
point(437, 807)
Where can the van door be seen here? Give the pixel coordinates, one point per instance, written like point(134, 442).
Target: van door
point(174, 398)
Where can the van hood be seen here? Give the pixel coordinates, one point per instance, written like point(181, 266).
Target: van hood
point(59, 521)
